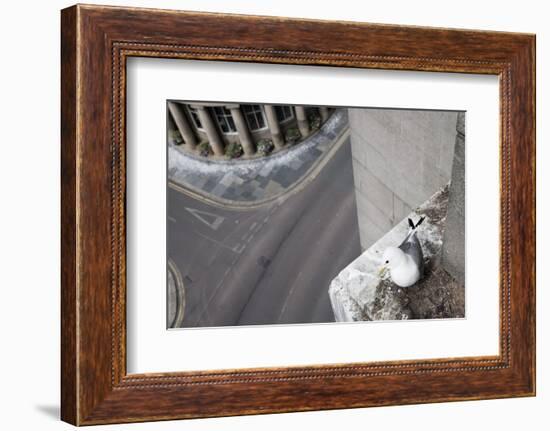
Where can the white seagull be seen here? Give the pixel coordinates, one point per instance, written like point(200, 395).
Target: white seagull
point(406, 262)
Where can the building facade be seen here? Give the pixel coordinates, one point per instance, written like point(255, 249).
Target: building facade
point(235, 130)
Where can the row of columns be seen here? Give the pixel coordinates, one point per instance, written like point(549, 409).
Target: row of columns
point(216, 141)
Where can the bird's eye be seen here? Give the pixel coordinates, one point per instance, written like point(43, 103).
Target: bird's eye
point(387, 261)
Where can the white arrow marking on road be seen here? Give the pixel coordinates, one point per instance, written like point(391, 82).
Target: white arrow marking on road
point(213, 221)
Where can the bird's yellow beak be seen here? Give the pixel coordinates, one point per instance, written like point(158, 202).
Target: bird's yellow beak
point(382, 271)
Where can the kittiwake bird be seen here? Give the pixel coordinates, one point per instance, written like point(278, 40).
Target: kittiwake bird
point(406, 262)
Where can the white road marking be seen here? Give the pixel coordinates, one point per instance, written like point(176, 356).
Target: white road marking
point(213, 221)
point(239, 248)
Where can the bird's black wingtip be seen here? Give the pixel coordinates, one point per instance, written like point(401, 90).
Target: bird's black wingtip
point(419, 221)
point(411, 224)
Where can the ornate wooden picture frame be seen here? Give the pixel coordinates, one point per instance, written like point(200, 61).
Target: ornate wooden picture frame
point(96, 41)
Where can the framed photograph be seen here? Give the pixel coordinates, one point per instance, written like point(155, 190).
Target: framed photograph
point(268, 215)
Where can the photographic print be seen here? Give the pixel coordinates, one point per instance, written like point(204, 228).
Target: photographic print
point(294, 214)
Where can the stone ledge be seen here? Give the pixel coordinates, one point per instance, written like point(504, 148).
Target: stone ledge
point(358, 293)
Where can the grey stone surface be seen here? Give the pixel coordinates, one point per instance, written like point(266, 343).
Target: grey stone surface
point(401, 158)
point(373, 190)
point(369, 215)
point(400, 208)
point(372, 234)
point(453, 258)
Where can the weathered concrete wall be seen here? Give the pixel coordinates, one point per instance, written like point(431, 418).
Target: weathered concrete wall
point(452, 257)
point(400, 159)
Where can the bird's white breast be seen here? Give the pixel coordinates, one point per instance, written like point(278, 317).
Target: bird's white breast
point(406, 274)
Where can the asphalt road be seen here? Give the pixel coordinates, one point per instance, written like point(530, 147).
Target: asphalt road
point(267, 265)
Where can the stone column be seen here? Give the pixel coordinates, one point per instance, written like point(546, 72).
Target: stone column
point(242, 130)
point(303, 124)
point(323, 110)
point(182, 124)
point(214, 138)
point(274, 127)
